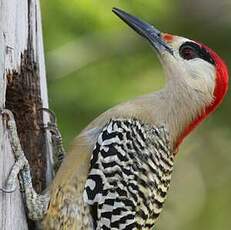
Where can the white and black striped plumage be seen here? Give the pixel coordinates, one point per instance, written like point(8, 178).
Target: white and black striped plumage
point(129, 175)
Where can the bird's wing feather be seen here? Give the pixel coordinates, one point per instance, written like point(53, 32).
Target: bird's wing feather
point(129, 175)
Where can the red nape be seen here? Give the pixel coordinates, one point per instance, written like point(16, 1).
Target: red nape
point(221, 87)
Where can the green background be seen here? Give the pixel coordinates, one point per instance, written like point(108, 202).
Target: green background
point(95, 61)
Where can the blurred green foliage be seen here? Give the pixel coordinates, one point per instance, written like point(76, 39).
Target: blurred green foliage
point(95, 61)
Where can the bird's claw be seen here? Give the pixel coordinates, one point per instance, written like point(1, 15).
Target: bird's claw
point(11, 183)
point(50, 113)
point(8, 190)
point(8, 116)
point(57, 143)
point(52, 118)
point(21, 161)
point(52, 124)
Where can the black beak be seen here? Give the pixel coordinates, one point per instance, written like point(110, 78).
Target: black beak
point(146, 30)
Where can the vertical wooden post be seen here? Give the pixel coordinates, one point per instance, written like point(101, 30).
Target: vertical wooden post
point(23, 90)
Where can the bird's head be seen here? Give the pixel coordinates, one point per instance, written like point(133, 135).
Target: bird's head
point(189, 65)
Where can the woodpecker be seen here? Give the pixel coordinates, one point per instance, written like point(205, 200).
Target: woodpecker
point(118, 170)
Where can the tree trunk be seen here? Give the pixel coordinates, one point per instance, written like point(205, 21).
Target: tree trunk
point(23, 90)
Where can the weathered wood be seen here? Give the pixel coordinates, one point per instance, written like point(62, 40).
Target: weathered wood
point(23, 90)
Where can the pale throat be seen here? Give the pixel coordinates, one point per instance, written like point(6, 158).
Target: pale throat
point(183, 106)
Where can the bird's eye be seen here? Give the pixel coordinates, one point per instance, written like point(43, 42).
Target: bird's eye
point(188, 52)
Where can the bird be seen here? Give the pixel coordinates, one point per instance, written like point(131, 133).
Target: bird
point(117, 172)
point(119, 168)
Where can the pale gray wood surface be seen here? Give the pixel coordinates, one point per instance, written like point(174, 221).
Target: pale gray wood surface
point(17, 18)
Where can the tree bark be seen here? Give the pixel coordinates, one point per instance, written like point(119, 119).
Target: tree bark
point(23, 90)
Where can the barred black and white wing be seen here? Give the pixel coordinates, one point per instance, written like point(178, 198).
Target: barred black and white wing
point(129, 175)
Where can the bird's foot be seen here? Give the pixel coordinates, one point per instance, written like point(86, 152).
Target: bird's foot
point(21, 161)
point(57, 141)
point(36, 204)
